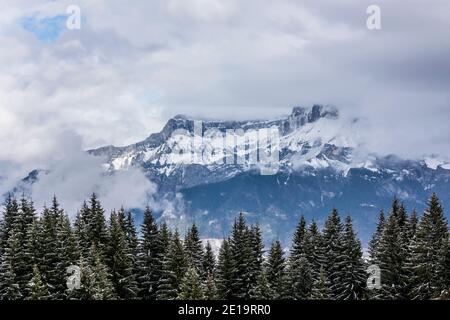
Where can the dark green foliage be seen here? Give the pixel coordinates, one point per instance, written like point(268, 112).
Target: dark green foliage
point(36, 252)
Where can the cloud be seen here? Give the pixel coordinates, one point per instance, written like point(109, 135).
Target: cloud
point(131, 67)
point(75, 175)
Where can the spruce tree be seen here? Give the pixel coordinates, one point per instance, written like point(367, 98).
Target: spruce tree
point(299, 277)
point(321, 287)
point(173, 270)
point(37, 288)
point(9, 282)
point(275, 271)
point(374, 242)
point(242, 259)
point(352, 274)
point(121, 260)
point(392, 253)
point(224, 271)
point(194, 249)
point(149, 257)
point(429, 249)
point(333, 249)
point(209, 262)
point(95, 278)
point(255, 267)
point(191, 286)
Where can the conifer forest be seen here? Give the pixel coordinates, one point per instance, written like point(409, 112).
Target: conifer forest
point(114, 259)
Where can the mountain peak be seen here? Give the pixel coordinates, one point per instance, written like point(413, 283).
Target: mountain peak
point(314, 113)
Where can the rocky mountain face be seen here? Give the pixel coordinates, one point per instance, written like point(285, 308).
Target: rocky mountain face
point(274, 170)
point(215, 169)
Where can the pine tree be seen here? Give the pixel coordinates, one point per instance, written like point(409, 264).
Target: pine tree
point(37, 288)
point(392, 253)
point(275, 272)
point(314, 250)
point(50, 256)
point(191, 286)
point(352, 272)
point(121, 260)
point(9, 282)
point(10, 215)
point(210, 289)
point(224, 271)
point(91, 227)
point(173, 270)
point(209, 262)
point(255, 267)
point(333, 249)
point(321, 287)
point(374, 242)
point(241, 260)
point(299, 277)
point(95, 278)
point(24, 223)
point(149, 257)
point(194, 249)
point(429, 250)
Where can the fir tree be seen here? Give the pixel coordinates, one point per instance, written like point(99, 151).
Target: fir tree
point(275, 272)
point(149, 257)
point(194, 249)
point(173, 270)
point(241, 260)
point(121, 260)
point(224, 271)
point(210, 289)
point(37, 288)
point(321, 289)
point(373, 244)
point(332, 246)
point(9, 282)
point(257, 278)
point(95, 278)
point(191, 286)
point(352, 275)
point(429, 250)
point(209, 262)
point(392, 253)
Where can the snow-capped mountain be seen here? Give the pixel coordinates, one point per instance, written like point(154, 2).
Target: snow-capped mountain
point(322, 163)
point(274, 170)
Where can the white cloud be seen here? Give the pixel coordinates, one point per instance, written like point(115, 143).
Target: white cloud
point(131, 66)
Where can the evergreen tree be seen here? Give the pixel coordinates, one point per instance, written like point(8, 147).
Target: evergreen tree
point(392, 253)
point(299, 276)
point(321, 289)
point(149, 257)
point(373, 244)
point(224, 271)
point(210, 288)
point(352, 275)
point(333, 249)
point(37, 288)
point(429, 250)
point(95, 278)
point(9, 282)
point(194, 249)
point(209, 262)
point(191, 286)
point(173, 270)
point(313, 248)
point(257, 278)
point(241, 260)
point(121, 260)
point(8, 222)
point(275, 272)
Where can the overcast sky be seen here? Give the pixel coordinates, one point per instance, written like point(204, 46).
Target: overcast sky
point(134, 64)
